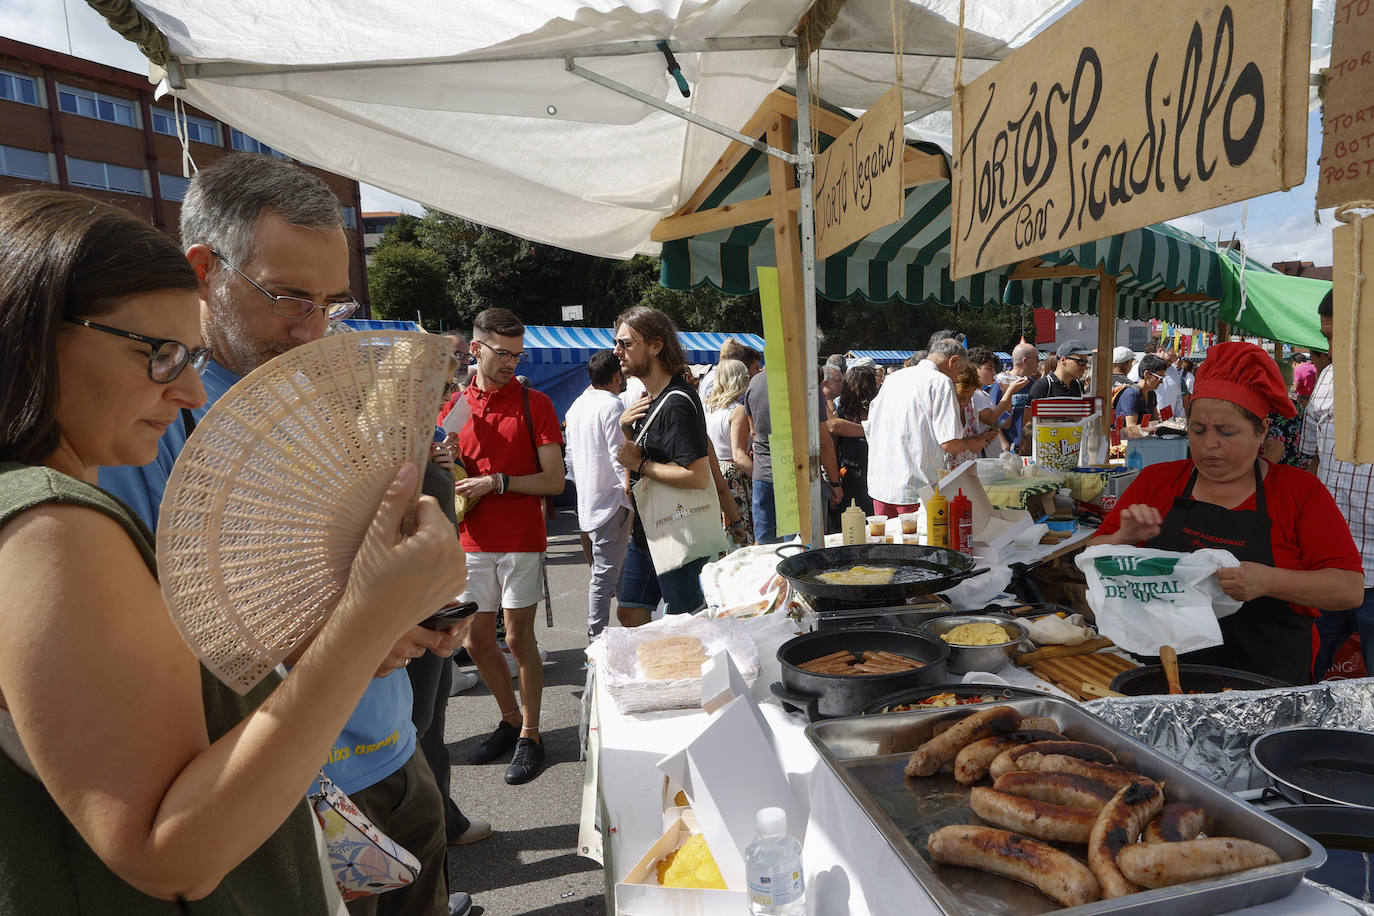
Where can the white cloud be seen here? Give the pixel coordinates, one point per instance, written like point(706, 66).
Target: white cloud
point(375, 199)
point(72, 27)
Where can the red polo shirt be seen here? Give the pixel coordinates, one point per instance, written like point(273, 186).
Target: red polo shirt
point(496, 440)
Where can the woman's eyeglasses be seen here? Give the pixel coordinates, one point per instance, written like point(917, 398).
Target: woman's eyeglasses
point(167, 357)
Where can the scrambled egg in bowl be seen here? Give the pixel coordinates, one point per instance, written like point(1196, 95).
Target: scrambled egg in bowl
point(976, 634)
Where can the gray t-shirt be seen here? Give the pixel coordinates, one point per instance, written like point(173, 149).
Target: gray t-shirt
point(756, 405)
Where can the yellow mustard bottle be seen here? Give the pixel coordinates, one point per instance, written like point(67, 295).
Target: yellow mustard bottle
point(937, 520)
point(853, 523)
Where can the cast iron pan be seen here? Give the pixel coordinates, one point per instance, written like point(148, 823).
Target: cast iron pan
point(1347, 834)
point(1317, 765)
point(998, 692)
point(920, 571)
point(1149, 681)
point(826, 695)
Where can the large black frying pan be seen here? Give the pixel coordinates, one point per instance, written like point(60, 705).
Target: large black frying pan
point(920, 571)
point(825, 695)
point(1318, 765)
point(1347, 834)
point(1150, 680)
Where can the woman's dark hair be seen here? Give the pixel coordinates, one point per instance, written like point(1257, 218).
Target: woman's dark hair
point(859, 389)
point(1152, 363)
point(981, 356)
point(64, 256)
point(651, 324)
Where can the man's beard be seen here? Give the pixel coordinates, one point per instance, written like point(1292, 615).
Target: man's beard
point(231, 341)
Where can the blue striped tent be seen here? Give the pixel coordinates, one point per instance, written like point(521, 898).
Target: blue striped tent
point(881, 357)
point(553, 345)
point(376, 324)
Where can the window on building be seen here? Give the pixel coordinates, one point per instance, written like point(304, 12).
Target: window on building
point(241, 141)
point(350, 216)
point(89, 104)
point(18, 88)
point(172, 187)
point(25, 163)
point(202, 130)
point(105, 176)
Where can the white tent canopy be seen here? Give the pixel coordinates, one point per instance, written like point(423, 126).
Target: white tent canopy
point(468, 106)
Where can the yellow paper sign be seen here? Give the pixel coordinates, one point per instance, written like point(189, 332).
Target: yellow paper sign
point(785, 496)
point(1122, 114)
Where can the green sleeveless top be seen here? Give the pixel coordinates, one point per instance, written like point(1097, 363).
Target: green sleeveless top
point(46, 867)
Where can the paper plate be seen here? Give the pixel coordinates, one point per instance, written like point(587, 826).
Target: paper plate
point(269, 500)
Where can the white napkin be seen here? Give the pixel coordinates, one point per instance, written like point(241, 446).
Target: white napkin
point(1054, 630)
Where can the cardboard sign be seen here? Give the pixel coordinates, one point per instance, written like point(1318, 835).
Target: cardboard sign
point(1347, 160)
point(1354, 404)
point(858, 184)
point(1123, 114)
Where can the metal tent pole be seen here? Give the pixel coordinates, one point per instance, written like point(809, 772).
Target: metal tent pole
point(805, 162)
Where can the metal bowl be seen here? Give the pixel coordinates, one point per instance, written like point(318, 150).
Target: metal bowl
point(963, 659)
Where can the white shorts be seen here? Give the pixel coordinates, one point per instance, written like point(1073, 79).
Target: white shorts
point(503, 580)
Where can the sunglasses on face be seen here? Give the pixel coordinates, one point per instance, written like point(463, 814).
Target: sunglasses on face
point(167, 357)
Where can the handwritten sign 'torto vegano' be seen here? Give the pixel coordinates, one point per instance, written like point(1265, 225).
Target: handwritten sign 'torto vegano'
point(1164, 109)
point(858, 184)
point(1346, 165)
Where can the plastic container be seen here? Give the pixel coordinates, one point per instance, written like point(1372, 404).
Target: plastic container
point(961, 523)
point(877, 527)
point(852, 521)
point(773, 868)
point(937, 520)
point(1141, 453)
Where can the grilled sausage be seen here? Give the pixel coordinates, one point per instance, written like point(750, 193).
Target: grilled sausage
point(1118, 825)
point(1057, 788)
point(1093, 753)
point(1175, 824)
point(972, 762)
point(1054, 873)
point(1039, 819)
point(1039, 723)
point(941, 750)
point(1114, 776)
point(1166, 864)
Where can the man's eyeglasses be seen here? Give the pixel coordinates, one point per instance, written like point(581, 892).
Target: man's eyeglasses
point(167, 358)
point(294, 306)
point(1078, 359)
point(505, 355)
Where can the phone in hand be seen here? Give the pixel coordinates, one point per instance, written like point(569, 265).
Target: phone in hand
point(448, 615)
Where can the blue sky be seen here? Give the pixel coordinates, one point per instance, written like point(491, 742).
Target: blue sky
point(1276, 227)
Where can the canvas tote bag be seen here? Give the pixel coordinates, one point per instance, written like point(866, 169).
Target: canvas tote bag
point(680, 525)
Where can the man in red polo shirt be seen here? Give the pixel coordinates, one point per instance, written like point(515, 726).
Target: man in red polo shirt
point(510, 447)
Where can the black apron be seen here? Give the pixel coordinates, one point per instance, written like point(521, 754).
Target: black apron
point(1265, 636)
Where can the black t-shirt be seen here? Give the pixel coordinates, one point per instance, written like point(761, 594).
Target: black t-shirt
point(677, 435)
point(1049, 386)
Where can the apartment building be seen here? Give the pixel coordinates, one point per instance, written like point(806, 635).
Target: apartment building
point(80, 126)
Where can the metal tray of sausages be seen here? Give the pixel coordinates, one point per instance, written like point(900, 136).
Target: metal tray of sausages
point(868, 754)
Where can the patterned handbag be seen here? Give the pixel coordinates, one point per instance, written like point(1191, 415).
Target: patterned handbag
point(365, 860)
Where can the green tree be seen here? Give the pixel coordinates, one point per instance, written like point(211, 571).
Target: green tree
point(405, 278)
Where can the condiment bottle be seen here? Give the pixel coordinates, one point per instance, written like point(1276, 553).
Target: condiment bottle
point(961, 523)
point(853, 524)
point(937, 520)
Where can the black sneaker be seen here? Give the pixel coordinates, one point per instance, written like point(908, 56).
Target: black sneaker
point(527, 762)
point(501, 740)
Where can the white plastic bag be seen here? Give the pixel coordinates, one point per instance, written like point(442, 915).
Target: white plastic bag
point(1146, 598)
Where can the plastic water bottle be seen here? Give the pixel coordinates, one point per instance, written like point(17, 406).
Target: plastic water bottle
point(773, 867)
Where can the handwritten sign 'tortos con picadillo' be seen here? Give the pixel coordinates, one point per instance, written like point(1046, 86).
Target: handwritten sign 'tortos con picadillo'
point(1123, 114)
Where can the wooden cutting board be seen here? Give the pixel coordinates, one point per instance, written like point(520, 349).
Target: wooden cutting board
point(1069, 673)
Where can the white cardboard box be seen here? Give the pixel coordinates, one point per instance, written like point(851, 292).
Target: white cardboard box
point(728, 772)
point(992, 528)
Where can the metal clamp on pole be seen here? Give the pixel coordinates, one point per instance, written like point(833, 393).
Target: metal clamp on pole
point(675, 70)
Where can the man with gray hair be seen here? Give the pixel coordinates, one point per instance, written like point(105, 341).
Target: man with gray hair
point(266, 238)
point(913, 424)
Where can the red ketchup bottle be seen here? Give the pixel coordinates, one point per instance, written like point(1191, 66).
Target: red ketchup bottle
point(961, 523)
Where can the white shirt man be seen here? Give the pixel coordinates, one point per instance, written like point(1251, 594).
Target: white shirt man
point(603, 506)
point(913, 424)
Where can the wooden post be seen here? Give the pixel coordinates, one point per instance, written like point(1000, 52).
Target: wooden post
point(1223, 332)
point(787, 243)
point(1106, 341)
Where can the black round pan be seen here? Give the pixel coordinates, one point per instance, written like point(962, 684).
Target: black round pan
point(826, 695)
point(1150, 680)
point(997, 692)
point(920, 571)
point(1319, 765)
point(1348, 836)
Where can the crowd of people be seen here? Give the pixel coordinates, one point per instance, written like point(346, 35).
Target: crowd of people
point(163, 786)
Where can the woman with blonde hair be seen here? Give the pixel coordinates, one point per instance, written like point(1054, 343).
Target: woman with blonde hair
point(727, 425)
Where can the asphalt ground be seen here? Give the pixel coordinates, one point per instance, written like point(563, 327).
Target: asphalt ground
point(529, 864)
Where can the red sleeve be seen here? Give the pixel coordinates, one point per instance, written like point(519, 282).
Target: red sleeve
point(547, 430)
point(1156, 485)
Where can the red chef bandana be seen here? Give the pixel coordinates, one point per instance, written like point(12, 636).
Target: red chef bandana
point(1244, 374)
